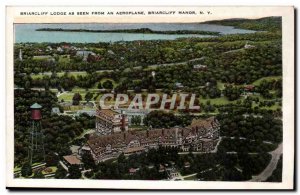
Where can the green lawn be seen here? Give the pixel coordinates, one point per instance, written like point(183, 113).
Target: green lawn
point(17, 169)
point(72, 109)
point(193, 177)
point(59, 74)
point(95, 87)
point(75, 74)
point(257, 82)
point(111, 160)
point(274, 107)
point(64, 59)
point(105, 79)
point(37, 76)
point(218, 101)
point(85, 131)
point(79, 90)
point(66, 96)
point(220, 85)
point(54, 168)
point(37, 163)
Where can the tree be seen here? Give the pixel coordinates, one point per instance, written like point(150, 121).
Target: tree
point(136, 120)
point(27, 85)
point(60, 172)
point(51, 159)
point(88, 161)
point(121, 158)
point(38, 175)
point(26, 169)
point(99, 86)
point(74, 172)
point(232, 92)
point(91, 58)
point(89, 174)
point(76, 98)
point(161, 119)
point(46, 85)
point(88, 96)
point(108, 84)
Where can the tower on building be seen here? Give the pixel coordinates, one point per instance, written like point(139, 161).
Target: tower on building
point(20, 55)
point(36, 151)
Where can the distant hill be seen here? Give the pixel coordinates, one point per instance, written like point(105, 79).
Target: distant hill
point(262, 24)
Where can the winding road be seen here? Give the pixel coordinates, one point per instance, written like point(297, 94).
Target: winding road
point(267, 172)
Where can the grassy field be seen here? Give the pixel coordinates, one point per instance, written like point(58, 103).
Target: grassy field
point(64, 59)
point(72, 109)
point(257, 82)
point(59, 74)
point(85, 131)
point(53, 170)
point(17, 169)
point(218, 101)
point(67, 96)
point(105, 79)
point(75, 74)
point(274, 107)
point(220, 85)
point(193, 177)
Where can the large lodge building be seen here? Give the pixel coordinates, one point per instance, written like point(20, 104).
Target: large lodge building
point(109, 122)
point(112, 136)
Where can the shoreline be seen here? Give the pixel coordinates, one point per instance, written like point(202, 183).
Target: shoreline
point(141, 30)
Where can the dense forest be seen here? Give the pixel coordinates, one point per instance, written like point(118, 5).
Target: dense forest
point(262, 24)
point(237, 78)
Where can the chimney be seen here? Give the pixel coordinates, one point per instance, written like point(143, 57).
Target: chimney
point(123, 120)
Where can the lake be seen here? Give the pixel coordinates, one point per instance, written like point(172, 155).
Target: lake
point(27, 32)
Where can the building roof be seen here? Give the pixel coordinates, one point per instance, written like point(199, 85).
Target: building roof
point(35, 106)
point(55, 110)
point(74, 149)
point(132, 170)
point(199, 127)
point(88, 112)
point(84, 53)
point(107, 112)
point(249, 87)
point(203, 123)
point(72, 159)
point(135, 149)
point(161, 166)
point(199, 66)
point(86, 147)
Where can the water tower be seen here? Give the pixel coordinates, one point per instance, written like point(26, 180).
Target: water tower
point(36, 148)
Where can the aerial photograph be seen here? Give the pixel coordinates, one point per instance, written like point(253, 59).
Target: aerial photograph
point(149, 101)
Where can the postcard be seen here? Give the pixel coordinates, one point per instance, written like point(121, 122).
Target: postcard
point(150, 97)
